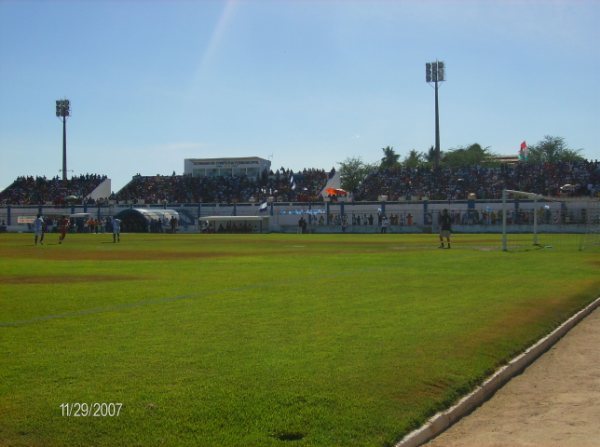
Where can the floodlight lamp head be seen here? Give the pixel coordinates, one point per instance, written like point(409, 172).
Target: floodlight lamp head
point(62, 108)
point(440, 71)
point(434, 72)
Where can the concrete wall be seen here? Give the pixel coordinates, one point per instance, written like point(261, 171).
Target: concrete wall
point(419, 216)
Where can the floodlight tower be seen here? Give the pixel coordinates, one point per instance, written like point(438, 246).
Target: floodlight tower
point(62, 111)
point(435, 72)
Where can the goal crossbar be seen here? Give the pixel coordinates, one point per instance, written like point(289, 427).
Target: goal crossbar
point(529, 195)
point(541, 197)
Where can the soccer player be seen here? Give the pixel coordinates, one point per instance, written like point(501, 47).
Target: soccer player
point(445, 228)
point(116, 224)
point(38, 229)
point(63, 227)
point(384, 224)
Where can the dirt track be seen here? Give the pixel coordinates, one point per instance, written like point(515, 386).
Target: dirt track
point(554, 403)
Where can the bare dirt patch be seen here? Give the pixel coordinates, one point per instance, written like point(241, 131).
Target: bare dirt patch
point(61, 254)
point(52, 279)
point(524, 316)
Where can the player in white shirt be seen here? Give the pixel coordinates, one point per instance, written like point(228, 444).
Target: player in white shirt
point(116, 224)
point(38, 229)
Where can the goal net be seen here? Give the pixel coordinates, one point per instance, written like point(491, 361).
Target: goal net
point(533, 221)
point(590, 239)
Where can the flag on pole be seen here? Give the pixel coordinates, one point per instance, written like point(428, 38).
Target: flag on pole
point(263, 207)
point(523, 152)
point(292, 182)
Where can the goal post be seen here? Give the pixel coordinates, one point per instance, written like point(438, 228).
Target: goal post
point(590, 239)
point(550, 222)
point(535, 197)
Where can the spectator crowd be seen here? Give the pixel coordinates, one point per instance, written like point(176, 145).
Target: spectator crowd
point(581, 178)
point(39, 190)
point(283, 185)
point(550, 179)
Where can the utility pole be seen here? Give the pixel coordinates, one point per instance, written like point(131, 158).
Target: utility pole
point(435, 72)
point(62, 111)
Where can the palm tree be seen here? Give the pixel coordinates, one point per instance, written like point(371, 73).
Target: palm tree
point(390, 158)
point(414, 159)
point(430, 156)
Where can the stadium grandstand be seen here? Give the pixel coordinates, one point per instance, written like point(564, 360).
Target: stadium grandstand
point(485, 183)
point(42, 191)
point(409, 199)
point(306, 187)
point(284, 185)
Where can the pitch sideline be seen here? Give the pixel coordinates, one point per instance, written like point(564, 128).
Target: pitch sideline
point(444, 419)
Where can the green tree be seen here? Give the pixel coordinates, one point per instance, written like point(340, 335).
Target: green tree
point(352, 172)
point(390, 158)
point(552, 150)
point(467, 156)
point(430, 156)
point(414, 159)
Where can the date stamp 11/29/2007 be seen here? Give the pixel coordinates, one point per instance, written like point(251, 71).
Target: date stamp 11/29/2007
point(93, 409)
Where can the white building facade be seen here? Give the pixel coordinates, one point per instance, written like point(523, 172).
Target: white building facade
point(226, 167)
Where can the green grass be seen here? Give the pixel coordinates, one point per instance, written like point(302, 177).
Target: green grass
point(264, 340)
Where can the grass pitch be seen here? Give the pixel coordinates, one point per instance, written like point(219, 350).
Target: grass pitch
point(263, 340)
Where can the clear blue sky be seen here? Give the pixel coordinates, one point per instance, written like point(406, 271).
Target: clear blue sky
point(305, 83)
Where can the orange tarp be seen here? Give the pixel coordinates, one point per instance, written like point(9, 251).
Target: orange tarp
point(335, 192)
